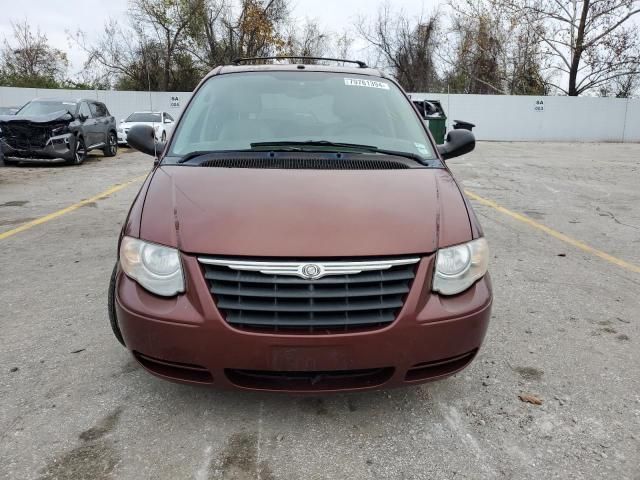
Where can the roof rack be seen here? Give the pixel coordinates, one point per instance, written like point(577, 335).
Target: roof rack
point(238, 61)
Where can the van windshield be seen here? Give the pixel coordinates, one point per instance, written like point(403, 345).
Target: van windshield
point(230, 112)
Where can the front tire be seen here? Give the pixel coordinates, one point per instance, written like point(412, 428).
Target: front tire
point(111, 148)
point(80, 153)
point(164, 137)
point(111, 305)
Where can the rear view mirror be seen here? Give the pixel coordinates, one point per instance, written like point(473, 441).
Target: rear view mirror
point(456, 143)
point(143, 139)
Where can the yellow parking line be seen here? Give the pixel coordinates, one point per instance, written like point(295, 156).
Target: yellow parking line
point(554, 233)
point(70, 208)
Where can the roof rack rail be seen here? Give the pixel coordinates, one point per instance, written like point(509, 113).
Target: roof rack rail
point(238, 61)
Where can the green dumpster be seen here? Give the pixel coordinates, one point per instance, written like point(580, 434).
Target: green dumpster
point(433, 113)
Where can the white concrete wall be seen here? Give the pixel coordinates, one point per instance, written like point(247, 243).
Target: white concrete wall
point(120, 104)
point(498, 117)
point(563, 119)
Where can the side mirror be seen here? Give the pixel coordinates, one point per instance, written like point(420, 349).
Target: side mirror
point(142, 138)
point(122, 120)
point(456, 143)
point(82, 117)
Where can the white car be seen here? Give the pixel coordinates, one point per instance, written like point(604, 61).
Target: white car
point(161, 122)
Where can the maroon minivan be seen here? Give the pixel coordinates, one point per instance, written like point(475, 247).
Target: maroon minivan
point(301, 232)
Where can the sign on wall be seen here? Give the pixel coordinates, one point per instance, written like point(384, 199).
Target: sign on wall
point(539, 106)
point(174, 101)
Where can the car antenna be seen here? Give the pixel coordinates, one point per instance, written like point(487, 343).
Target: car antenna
point(155, 147)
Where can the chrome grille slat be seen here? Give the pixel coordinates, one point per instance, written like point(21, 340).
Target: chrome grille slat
point(329, 290)
point(312, 305)
point(373, 277)
point(347, 296)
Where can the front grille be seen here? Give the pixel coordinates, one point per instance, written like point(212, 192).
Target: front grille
point(331, 304)
point(26, 137)
point(309, 381)
point(285, 163)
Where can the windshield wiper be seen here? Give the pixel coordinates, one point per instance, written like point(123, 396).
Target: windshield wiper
point(313, 143)
point(199, 153)
point(300, 146)
point(308, 145)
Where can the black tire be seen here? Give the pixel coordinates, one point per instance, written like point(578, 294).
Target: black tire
point(7, 161)
point(164, 137)
point(111, 305)
point(80, 153)
point(111, 147)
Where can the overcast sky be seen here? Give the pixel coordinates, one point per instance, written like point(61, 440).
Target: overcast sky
point(56, 17)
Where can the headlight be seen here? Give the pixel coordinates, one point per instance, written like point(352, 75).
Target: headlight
point(457, 268)
point(155, 267)
point(59, 130)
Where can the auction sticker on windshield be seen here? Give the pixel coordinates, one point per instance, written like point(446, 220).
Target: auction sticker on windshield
point(357, 82)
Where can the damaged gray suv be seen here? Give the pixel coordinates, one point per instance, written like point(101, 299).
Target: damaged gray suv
point(59, 130)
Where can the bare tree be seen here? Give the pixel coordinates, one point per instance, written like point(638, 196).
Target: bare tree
point(308, 40)
point(405, 45)
point(476, 64)
point(625, 86)
point(170, 44)
point(589, 43)
point(150, 52)
point(226, 30)
point(342, 45)
point(167, 23)
point(258, 28)
point(491, 51)
point(29, 61)
point(210, 42)
point(115, 53)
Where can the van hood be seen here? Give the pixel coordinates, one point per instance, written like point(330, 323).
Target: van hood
point(303, 213)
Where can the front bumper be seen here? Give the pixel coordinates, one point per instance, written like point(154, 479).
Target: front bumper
point(185, 339)
point(61, 147)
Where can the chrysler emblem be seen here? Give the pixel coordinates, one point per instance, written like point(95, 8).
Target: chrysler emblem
point(310, 271)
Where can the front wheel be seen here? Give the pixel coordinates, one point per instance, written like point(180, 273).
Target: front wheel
point(80, 153)
point(164, 137)
point(111, 306)
point(111, 148)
